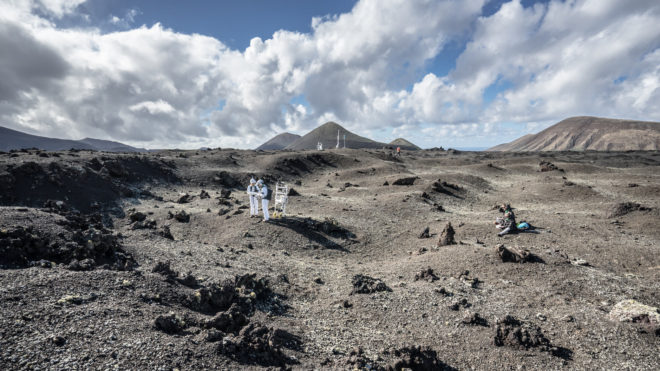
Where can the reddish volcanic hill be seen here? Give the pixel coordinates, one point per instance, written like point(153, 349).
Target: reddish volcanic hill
point(590, 133)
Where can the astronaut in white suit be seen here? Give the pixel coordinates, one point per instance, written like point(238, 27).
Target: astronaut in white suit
point(252, 192)
point(265, 196)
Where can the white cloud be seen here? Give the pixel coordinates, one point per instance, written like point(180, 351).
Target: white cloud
point(365, 69)
point(57, 8)
point(126, 21)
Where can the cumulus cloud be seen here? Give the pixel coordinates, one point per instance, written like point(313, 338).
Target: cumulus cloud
point(57, 8)
point(154, 87)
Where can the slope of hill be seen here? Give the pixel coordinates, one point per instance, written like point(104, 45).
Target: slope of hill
point(110, 146)
point(590, 133)
point(279, 141)
point(404, 144)
point(327, 134)
point(12, 139)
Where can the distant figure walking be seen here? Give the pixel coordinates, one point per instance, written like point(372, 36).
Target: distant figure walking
point(265, 194)
point(252, 192)
point(398, 151)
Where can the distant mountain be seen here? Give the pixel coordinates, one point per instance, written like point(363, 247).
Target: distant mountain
point(327, 134)
point(110, 146)
point(279, 141)
point(404, 144)
point(12, 139)
point(590, 133)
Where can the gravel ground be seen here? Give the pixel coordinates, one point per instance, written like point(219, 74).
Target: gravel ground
point(152, 262)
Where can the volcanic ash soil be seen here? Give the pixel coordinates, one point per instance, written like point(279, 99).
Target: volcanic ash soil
point(152, 261)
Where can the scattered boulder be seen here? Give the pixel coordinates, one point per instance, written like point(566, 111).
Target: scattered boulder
point(416, 358)
point(438, 207)
point(293, 192)
point(408, 181)
point(474, 319)
point(225, 193)
point(231, 320)
point(386, 183)
point(256, 344)
point(212, 299)
point(366, 285)
point(72, 241)
point(58, 340)
point(426, 275)
point(425, 233)
point(548, 166)
point(146, 224)
point(580, 262)
point(645, 316)
point(514, 333)
point(624, 208)
point(512, 254)
point(82, 265)
point(458, 304)
point(181, 216)
point(164, 269)
point(184, 198)
point(170, 323)
point(440, 186)
point(204, 195)
point(166, 233)
point(464, 277)
point(447, 236)
point(137, 216)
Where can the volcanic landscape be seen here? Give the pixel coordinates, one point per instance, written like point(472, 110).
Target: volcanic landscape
point(150, 261)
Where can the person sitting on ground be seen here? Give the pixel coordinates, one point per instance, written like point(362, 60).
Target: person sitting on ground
point(507, 223)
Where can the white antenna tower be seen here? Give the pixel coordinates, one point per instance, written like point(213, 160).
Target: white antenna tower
point(337, 139)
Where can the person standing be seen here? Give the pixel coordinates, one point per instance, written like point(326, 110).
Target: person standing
point(265, 194)
point(398, 151)
point(252, 192)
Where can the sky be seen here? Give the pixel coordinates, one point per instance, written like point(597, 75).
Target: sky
point(451, 73)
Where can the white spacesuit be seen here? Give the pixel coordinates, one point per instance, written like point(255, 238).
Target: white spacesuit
point(252, 192)
point(265, 196)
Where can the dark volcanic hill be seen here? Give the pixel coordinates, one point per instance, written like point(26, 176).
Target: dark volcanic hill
point(12, 139)
point(279, 141)
point(327, 134)
point(590, 133)
point(404, 144)
point(110, 146)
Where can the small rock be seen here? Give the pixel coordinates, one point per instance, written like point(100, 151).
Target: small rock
point(137, 216)
point(184, 198)
point(447, 236)
point(646, 316)
point(581, 262)
point(166, 233)
point(58, 340)
point(170, 323)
